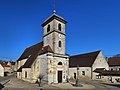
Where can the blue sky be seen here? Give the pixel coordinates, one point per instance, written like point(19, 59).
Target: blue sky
point(92, 25)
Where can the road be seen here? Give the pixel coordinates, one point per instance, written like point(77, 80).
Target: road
point(6, 78)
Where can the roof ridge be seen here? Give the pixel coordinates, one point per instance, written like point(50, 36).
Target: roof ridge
point(35, 44)
point(86, 53)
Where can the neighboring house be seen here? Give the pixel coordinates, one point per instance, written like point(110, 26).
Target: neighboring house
point(114, 63)
point(114, 69)
point(12, 66)
point(1, 70)
point(47, 58)
point(87, 64)
point(4, 69)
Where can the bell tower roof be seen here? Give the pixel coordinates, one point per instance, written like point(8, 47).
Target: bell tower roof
point(54, 16)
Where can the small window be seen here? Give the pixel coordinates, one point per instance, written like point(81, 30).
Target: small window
point(111, 69)
point(74, 75)
point(25, 74)
point(60, 63)
point(59, 43)
point(83, 72)
point(48, 28)
point(59, 26)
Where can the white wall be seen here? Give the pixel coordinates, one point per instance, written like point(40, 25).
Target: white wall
point(1, 71)
point(87, 71)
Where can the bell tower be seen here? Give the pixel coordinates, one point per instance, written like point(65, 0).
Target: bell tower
point(55, 33)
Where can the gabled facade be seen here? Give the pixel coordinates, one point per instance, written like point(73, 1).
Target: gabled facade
point(12, 66)
point(47, 58)
point(4, 69)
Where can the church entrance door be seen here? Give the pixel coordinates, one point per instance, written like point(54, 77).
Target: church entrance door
point(59, 76)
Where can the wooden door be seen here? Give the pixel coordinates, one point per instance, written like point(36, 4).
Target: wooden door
point(59, 76)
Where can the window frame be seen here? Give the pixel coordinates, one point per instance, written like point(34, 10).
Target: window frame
point(60, 44)
point(25, 74)
point(48, 28)
point(83, 73)
point(60, 63)
point(59, 27)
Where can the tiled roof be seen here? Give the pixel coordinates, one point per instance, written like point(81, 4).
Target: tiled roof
point(4, 64)
point(114, 61)
point(32, 52)
point(54, 16)
point(83, 60)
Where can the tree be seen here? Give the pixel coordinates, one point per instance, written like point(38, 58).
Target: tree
point(40, 77)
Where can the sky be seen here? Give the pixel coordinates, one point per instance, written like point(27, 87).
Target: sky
point(92, 25)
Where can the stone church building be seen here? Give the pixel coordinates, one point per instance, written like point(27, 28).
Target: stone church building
point(47, 58)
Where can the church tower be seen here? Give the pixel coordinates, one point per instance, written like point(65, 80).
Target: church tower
point(54, 33)
point(55, 36)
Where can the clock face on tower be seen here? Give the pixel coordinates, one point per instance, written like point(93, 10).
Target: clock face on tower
point(60, 36)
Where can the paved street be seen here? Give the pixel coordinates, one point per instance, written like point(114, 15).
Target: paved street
point(12, 83)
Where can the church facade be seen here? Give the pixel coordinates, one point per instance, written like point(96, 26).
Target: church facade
point(47, 58)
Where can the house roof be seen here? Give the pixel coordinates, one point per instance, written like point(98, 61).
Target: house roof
point(107, 72)
point(53, 16)
point(32, 52)
point(83, 60)
point(114, 61)
point(4, 64)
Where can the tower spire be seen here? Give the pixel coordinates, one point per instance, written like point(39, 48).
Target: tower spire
point(54, 7)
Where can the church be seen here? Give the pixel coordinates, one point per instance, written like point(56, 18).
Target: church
point(50, 60)
point(47, 58)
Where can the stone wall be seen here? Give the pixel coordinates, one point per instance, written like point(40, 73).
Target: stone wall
point(84, 72)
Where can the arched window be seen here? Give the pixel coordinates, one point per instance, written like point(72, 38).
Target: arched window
point(59, 26)
point(48, 28)
point(74, 75)
point(59, 43)
point(60, 63)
